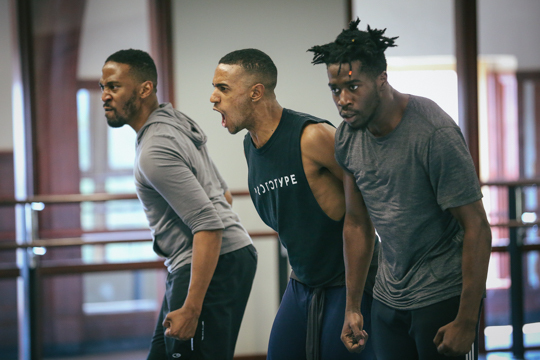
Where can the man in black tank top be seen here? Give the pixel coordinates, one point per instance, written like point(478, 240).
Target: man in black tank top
point(297, 188)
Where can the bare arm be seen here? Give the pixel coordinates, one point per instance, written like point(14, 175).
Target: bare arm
point(317, 144)
point(359, 239)
point(457, 337)
point(324, 175)
point(182, 323)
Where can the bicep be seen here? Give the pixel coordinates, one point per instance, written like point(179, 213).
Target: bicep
point(355, 207)
point(317, 144)
point(173, 179)
point(470, 216)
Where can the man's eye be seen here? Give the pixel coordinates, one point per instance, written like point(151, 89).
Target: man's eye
point(334, 91)
point(353, 87)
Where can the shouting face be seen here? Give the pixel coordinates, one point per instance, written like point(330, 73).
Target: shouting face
point(232, 97)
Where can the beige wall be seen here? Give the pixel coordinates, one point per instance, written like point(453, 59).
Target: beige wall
point(124, 25)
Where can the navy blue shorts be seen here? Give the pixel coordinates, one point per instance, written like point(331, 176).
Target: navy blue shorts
point(411, 332)
point(221, 315)
point(288, 336)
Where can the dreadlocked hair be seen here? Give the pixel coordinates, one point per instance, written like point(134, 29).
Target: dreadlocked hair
point(352, 44)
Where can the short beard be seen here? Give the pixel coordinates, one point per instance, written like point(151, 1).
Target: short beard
point(247, 112)
point(375, 100)
point(128, 110)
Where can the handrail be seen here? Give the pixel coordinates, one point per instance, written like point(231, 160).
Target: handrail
point(515, 224)
point(78, 198)
point(514, 183)
point(69, 267)
point(76, 266)
point(79, 241)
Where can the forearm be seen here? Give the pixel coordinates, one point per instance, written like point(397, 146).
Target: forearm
point(358, 242)
point(475, 261)
point(206, 249)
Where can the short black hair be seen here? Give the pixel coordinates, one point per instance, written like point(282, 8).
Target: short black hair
point(141, 64)
point(352, 44)
point(254, 62)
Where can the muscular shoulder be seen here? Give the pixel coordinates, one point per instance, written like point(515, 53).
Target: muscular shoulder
point(317, 144)
point(317, 137)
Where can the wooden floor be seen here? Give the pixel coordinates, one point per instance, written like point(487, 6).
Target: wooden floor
point(141, 355)
point(530, 355)
point(136, 355)
point(129, 355)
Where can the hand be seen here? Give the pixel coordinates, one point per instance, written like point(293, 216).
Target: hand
point(181, 324)
point(352, 335)
point(456, 338)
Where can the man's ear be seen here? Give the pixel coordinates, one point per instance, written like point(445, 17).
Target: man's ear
point(257, 92)
point(147, 88)
point(382, 80)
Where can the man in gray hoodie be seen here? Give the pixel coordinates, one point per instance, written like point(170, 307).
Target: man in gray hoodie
point(209, 255)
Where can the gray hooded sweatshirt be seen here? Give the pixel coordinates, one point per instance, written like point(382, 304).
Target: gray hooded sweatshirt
point(180, 188)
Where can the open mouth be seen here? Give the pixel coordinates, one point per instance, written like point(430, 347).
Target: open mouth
point(223, 121)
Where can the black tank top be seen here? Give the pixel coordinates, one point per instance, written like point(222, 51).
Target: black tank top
point(282, 196)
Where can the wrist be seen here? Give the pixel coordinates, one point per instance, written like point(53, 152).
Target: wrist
point(193, 307)
point(466, 321)
point(353, 307)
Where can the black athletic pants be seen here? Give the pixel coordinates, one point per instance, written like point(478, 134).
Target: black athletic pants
point(409, 334)
point(221, 315)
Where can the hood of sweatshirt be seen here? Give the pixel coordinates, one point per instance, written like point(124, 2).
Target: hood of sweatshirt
point(165, 113)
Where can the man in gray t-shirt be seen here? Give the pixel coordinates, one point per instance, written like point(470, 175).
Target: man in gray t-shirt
point(412, 177)
point(209, 255)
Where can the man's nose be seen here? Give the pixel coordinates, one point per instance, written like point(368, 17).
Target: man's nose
point(105, 95)
point(344, 98)
point(214, 98)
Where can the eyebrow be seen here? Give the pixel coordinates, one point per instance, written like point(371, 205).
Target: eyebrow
point(349, 82)
point(108, 83)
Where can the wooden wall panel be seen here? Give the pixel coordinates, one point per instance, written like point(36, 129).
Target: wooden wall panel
point(8, 290)
point(7, 189)
point(56, 47)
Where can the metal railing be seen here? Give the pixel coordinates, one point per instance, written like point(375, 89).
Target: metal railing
point(31, 269)
point(516, 248)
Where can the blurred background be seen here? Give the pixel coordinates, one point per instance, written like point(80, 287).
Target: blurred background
point(78, 277)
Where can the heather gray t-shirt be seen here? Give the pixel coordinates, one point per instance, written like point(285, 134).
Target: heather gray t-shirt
point(409, 178)
point(180, 188)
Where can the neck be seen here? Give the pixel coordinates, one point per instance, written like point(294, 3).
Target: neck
point(147, 107)
point(267, 116)
point(389, 112)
